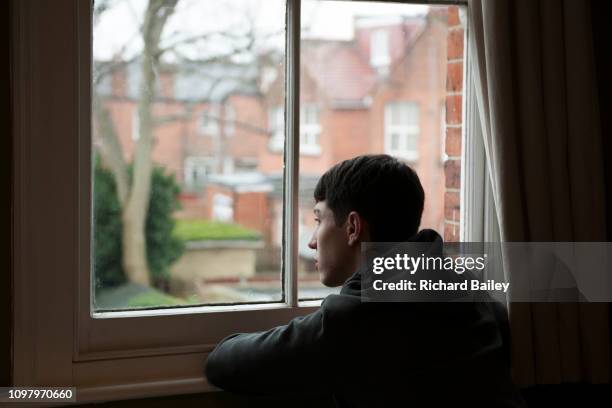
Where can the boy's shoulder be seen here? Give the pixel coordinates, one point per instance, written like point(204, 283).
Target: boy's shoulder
point(342, 305)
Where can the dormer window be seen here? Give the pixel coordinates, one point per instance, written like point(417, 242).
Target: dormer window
point(379, 48)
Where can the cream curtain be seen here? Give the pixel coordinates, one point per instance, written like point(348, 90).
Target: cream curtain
point(536, 90)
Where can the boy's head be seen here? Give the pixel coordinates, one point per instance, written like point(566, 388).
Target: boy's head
point(367, 198)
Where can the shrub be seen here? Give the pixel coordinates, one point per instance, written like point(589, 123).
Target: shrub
point(163, 248)
point(107, 249)
point(203, 230)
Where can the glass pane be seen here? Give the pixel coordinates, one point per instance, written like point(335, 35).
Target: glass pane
point(366, 95)
point(187, 191)
point(408, 113)
point(411, 142)
point(394, 110)
point(395, 141)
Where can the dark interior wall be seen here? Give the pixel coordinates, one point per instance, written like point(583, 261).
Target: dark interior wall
point(6, 175)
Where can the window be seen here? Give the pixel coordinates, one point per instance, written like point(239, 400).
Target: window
point(379, 48)
point(276, 124)
point(402, 130)
point(223, 208)
point(196, 171)
point(209, 122)
point(206, 227)
point(108, 352)
point(310, 130)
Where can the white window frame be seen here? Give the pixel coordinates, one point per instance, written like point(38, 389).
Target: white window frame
point(56, 340)
point(404, 131)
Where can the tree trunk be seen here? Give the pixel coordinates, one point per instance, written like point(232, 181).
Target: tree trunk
point(135, 211)
point(135, 249)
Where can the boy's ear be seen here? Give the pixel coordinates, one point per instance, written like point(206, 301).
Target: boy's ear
point(354, 228)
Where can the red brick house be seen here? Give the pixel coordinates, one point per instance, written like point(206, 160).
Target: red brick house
point(382, 91)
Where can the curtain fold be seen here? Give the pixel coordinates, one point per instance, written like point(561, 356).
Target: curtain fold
point(535, 81)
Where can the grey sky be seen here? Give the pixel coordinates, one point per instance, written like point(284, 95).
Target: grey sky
point(118, 27)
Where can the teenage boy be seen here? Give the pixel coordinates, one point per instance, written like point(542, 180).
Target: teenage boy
point(367, 354)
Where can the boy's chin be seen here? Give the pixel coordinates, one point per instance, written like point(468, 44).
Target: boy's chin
point(330, 281)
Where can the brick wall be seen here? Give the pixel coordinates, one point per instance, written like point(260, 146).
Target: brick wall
point(420, 78)
point(252, 209)
point(454, 123)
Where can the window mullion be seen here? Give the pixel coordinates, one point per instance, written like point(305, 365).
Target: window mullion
point(292, 154)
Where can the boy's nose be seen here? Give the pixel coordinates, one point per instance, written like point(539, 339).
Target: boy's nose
point(313, 243)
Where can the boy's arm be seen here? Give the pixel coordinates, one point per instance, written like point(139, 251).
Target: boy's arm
point(287, 359)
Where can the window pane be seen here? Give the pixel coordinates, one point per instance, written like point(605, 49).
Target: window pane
point(187, 193)
point(395, 141)
point(368, 99)
point(411, 142)
point(410, 114)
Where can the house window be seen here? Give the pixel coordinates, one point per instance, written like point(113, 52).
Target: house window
point(379, 48)
point(223, 208)
point(402, 130)
point(196, 172)
point(276, 125)
point(209, 121)
point(310, 130)
point(153, 322)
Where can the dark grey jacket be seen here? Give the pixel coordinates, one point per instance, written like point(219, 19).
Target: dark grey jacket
point(376, 354)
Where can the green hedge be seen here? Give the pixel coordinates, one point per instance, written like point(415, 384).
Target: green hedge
point(163, 248)
point(205, 230)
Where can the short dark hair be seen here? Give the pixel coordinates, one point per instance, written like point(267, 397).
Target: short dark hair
point(384, 191)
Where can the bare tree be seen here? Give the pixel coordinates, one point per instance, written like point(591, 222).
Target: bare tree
point(133, 192)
